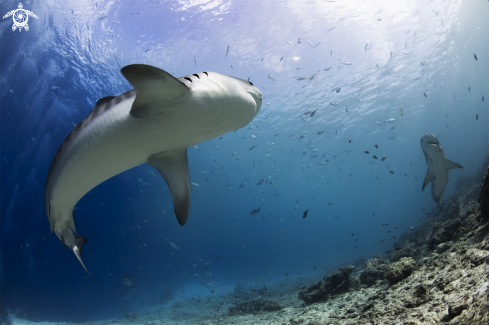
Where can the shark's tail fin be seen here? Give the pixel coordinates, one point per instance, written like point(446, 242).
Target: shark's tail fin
point(77, 250)
point(452, 165)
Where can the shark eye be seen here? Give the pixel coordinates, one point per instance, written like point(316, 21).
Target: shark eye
point(250, 83)
point(196, 75)
point(187, 78)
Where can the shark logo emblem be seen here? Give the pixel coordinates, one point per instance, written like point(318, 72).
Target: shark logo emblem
point(20, 17)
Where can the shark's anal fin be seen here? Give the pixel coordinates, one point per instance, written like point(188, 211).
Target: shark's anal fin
point(428, 178)
point(77, 250)
point(156, 89)
point(173, 166)
point(452, 165)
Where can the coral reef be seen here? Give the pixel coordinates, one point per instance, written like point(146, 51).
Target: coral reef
point(484, 196)
point(375, 269)
point(335, 282)
point(401, 269)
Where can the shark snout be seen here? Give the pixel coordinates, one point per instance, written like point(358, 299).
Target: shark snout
point(257, 97)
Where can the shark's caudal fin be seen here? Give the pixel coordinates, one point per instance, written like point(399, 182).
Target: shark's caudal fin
point(77, 250)
point(157, 90)
point(173, 166)
point(452, 165)
point(428, 178)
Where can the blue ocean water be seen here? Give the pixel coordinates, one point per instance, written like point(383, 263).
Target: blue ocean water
point(357, 64)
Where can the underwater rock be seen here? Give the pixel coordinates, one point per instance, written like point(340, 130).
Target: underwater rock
point(484, 197)
point(443, 247)
point(409, 250)
point(251, 307)
point(375, 269)
point(335, 282)
point(401, 270)
point(443, 232)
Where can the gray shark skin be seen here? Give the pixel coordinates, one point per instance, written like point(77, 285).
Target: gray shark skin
point(154, 123)
point(438, 166)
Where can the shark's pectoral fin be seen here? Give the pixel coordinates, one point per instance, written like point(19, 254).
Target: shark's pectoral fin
point(428, 178)
point(77, 250)
point(173, 166)
point(156, 89)
point(452, 165)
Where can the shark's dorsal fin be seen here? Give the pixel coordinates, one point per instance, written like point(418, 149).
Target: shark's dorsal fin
point(173, 166)
point(156, 89)
point(452, 165)
point(102, 101)
point(428, 178)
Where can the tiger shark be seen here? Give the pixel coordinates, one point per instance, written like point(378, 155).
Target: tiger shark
point(153, 123)
point(438, 166)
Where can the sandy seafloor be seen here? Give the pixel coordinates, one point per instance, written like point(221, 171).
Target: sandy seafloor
point(450, 284)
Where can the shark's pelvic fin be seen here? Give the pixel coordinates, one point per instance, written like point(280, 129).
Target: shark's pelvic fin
point(452, 165)
point(77, 250)
point(156, 89)
point(428, 178)
point(173, 166)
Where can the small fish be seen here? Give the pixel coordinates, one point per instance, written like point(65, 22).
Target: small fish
point(331, 30)
point(366, 48)
point(270, 76)
point(172, 244)
point(475, 57)
point(345, 63)
point(377, 66)
point(255, 211)
point(384, 158)
point(196, 147)
point(377, 122)
point(402, 112)
point(314, 112)
point(327, 69)
point(476, 116)
point(226, 54)
point(195, 184)
point(333, 104)
point(390, 171)
point(469, 88)
point(242, 185)
point(338, 89)
point(276, 134)
point(367, 152)
point(346, 109)
point(336, 133)
point(253, 147)
point(425, 95)
point(375, 157)
point(302, 117)
point(376, 146)
point(302, 78)
point(260, 181)
point(304, 214)
point(281, 59)
point(261, 60)
point(307, 113)
point(389, 120)
point(320, 132)
point(195, 59)
point(289, 42)
point(299, 40)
